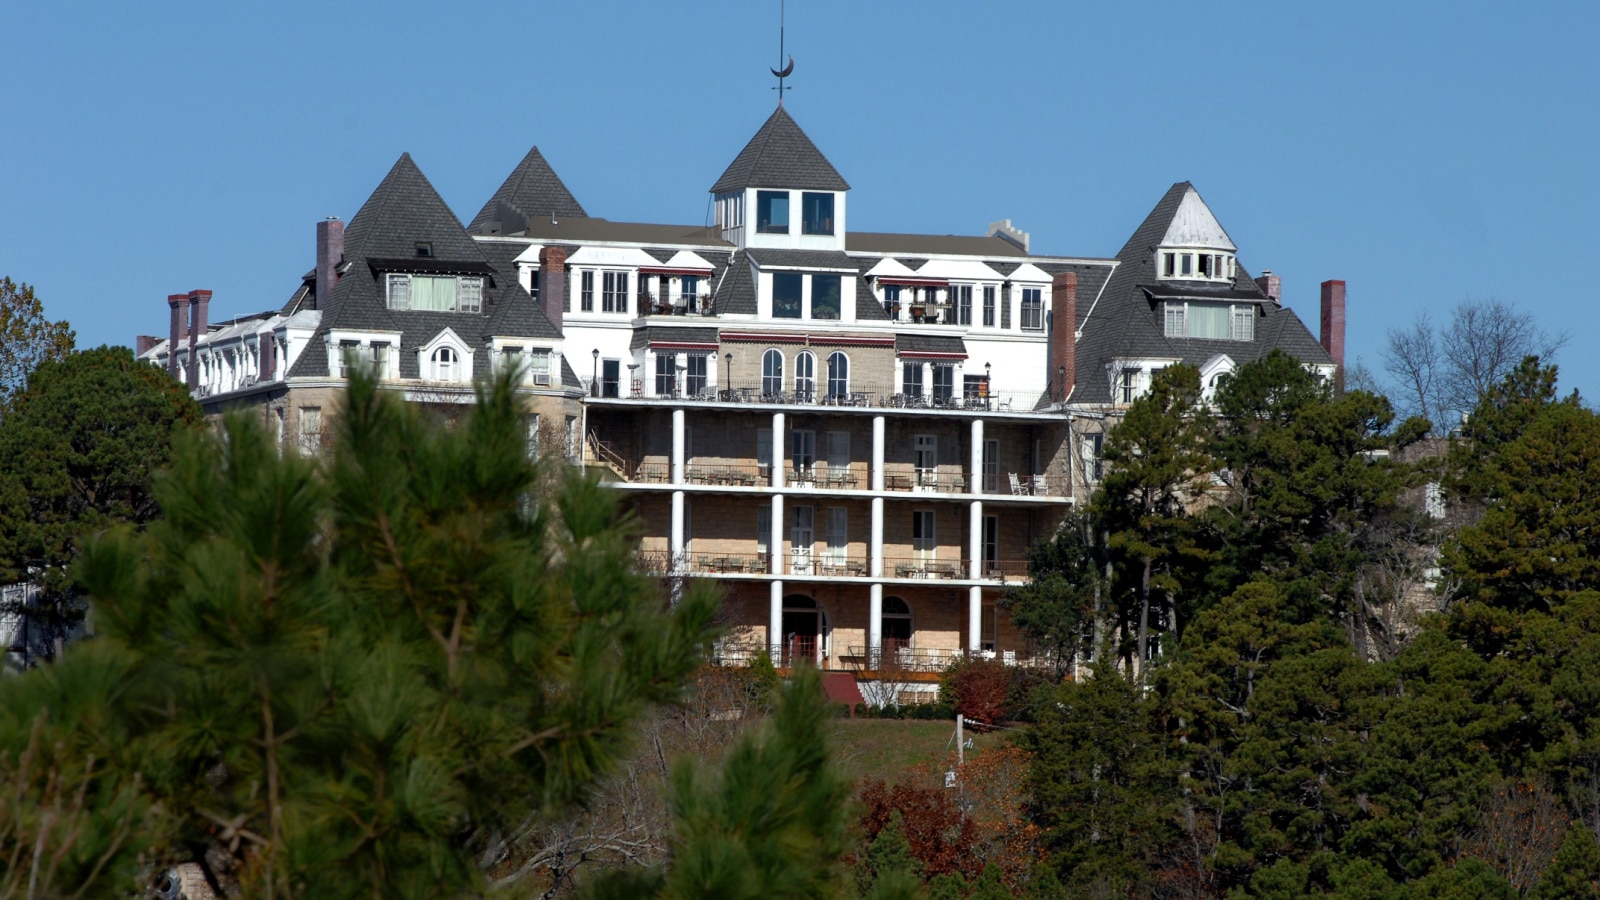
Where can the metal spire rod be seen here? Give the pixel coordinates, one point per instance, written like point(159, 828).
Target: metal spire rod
point(788, 69)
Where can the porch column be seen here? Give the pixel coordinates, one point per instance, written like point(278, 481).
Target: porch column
point(778, 456)
point(775, 540)
point(775, 624)
point(677, 452)
point(875, 550)
point(676, 562)
point(977, 456)
point(975, 541)
point(877, 453)
point(974, 619)
point(875, 628)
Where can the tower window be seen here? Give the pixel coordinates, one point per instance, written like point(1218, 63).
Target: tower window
point(772, 212)
point(816, 212)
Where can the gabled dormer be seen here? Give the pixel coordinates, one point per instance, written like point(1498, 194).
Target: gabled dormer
point(781, 193)
point(1195, 247)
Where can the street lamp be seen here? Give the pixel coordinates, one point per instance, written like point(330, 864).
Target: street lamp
point(729, 359)
point(988, 386)
point(594, 374)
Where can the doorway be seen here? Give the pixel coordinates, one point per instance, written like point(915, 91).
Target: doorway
point(806, 632)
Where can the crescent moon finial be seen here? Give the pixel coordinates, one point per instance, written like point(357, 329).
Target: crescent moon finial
point(787, 70)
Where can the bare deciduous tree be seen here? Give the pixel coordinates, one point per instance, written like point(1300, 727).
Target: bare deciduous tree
point(1440, 373)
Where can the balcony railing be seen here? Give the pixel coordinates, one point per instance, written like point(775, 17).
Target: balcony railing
point(903, 477)
point(873, 396)
point(732, 474)
point(679, 306)
point(919, 566)
point(830, 564)
point(728, 563)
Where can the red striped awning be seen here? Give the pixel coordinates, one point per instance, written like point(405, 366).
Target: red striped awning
point(914, 282)
point(930, 354)
point(668, 270)
point(682, 345)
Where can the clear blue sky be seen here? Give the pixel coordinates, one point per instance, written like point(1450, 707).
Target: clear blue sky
point(1424, 152)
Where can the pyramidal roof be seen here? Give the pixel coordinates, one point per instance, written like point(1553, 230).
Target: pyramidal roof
point(1193, 225)
point(780, 156)
point(532, 189)
point(403, 212)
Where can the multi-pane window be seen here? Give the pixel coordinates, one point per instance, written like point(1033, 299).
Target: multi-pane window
point(772, 373)
point(805, 376)
point(838, 450)
point(586, 291)
point(991, 466)
point(1032, 309)
point(923, 539)
point(349, 352)
point(690, 289)
point(911, 379)
point(925, 453)
point(666, 376)
point(802, 451)
point(838, 374)
point(1214, 321)
point(991, 542)
point(944, 381)
point(539, 366)
point(533, 435)
point(891, 301)
point(614, 292)
point(695, 379)
point(988, 306)
point(310, 430)
point(786, 295)
point(961, 299)
point(838, 533)
point(1093, 465)
point(816, 213)
point(436, 293)
point(763, 528)
point(611, 378)
point(446, 364)
point(825, 292)
point(1130, 385)
point(772, 212)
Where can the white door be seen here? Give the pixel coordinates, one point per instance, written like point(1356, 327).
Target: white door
point(926, 447)
point(991, 467)
point(923, 539)
point(801, 536)
point(838, 536)
point(803, 455)
point(838, 454)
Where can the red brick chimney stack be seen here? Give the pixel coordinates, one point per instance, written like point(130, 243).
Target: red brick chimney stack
point(1271, 285)
point(180, 329)
point(269, 354)
point(553, 283)
point(1063, 334)
point(198, 302)
point(330, 251)
point(1333, 326)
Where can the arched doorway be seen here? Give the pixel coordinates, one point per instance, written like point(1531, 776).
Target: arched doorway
point(805, 630)
point(896, 624)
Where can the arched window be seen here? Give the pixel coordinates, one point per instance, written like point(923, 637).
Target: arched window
point(444, 364)
point(772, 373)
point(838, 375)
point(896, 623)
point(805, 377)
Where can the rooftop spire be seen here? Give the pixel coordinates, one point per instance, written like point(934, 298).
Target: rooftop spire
point(788, 69)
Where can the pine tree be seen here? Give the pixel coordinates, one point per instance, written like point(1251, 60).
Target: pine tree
point(888, 852)
point(345, 679)
point(1575, 872)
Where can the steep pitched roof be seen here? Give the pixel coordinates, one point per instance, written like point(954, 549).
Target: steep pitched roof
point(1125, 322)
point(404, 211)
point(780, 156)
point(533, 190)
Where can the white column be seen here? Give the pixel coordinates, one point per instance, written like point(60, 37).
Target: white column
point(677, 447)
point(775, 540)
point(775, 624)
point(877, 453)
point(778, 455)
point(875, 628)
point(676, 559)
point(975, 540)
point(976, 485)
point(975, 618)
point(876, 548)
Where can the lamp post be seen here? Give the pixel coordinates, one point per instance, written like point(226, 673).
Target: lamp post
point(729, 359)
point(594, 373)
point(988, 386)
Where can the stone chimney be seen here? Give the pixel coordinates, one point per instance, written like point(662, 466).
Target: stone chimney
point(553, 283)
point(330, 252)
point(1333, 327)
point(199, 301)
point(1063, 335)
point(179, 332)
point(142, 343)
point(1271, 285)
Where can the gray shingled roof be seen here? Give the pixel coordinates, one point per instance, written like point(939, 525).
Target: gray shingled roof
point(780, 156)
point(597, 229)
point(922, 244)
point(533, 190)
point(736, 290)
point(513, 312)
point(928, 343)
point(1126, 320)
point(643, 337)
point(803, 259)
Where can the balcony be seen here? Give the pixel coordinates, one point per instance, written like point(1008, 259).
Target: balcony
point(699, 305)
point(851, 397)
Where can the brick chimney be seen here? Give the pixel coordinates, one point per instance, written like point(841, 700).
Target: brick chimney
point(1271, 285)
point(142, 343)
point(1063, 335)
point(553, 283)
point(1333, 327)
point(330, 251)
point(269, 355)
point(180, 330)
point(199, 301)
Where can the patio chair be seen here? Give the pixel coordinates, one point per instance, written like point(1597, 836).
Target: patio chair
point(1017, 490)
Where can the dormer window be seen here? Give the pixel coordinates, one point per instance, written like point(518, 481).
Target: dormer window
point(436, 293)
point(1211, 321)
point(424, 249)
point(1194, 264)
point(772, 212)
point(816, 213)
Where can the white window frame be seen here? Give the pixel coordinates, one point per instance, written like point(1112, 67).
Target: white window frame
point(1035, 321)
point(398, 292)
point(1241, 320)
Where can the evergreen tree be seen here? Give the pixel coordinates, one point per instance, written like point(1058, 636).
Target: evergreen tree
point(27, 338)
point(1061, 600)
point(344, 683)
point(889, 852)
point(1500, 416)
point(1575, 872)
